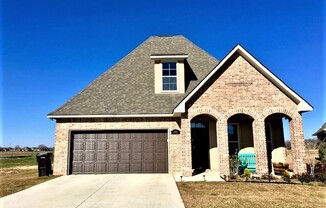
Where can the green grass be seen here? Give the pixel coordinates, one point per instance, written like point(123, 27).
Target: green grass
point(17, 161)
point(19, 171)
point(16, 154)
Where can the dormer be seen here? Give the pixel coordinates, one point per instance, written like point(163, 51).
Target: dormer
point(169, 72)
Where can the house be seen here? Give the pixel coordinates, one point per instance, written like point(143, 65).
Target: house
point(321, 133)
point(170, 107)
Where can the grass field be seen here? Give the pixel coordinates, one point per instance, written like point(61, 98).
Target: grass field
point(19, 171)
point(221, 194)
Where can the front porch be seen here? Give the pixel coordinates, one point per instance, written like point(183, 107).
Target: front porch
point(209, 139)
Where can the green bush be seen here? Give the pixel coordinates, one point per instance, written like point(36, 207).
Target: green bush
point(247, 174)
point(322, 151)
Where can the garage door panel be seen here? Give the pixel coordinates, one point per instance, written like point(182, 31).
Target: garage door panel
point(113, 157)
point(90, 136)
point(160, 157)
point(125, 157)
point(136, 157)
point(113, 167)
point(90, 145)
point(133, 151)
point(123, 168)
point(79, 145)
point(113, 145)
point(136, 146)
point(148, 167)
point(136, 167)
point(101, 136)
point(125, 146)
point(101, 167)
point(148, 146)
point(89, 167)
point(89, 156)
point(78, 167)
point(78, 156)
point(161, 167)
point(101, 156)
point(101, 145)
point(148, 156)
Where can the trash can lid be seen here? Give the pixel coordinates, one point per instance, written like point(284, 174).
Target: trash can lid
point(43, 154)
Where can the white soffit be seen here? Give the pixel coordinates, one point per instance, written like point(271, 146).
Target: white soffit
point(302, 104)
point(167, 56)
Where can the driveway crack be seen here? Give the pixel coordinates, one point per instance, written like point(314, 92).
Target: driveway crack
point(94, 192)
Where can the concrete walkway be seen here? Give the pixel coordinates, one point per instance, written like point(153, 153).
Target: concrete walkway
point(120, 190)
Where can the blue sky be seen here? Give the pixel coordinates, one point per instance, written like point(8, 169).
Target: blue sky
point(53, 49)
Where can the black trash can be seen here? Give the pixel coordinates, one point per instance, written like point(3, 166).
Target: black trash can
point(44, 164)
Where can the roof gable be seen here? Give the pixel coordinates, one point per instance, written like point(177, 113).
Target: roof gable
point(302, 104)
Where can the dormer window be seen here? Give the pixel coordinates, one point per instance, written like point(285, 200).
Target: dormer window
point(169, 73)
point(169, 76)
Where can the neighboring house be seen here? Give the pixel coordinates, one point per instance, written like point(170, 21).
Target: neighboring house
point(321, 133)
point(170, 107)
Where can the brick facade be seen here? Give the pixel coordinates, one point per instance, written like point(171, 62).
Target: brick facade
point(240, 89)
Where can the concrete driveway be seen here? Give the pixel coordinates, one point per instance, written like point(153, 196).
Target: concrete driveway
point(116, 190)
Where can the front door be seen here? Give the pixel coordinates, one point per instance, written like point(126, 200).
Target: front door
point(200, 146)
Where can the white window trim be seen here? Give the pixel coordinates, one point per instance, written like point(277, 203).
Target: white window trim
point(176, 77)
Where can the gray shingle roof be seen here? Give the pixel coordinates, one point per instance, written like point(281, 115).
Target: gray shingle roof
point(322, 129)
point(128, 87)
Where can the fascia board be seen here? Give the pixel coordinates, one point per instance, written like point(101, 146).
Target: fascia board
point(111, 116)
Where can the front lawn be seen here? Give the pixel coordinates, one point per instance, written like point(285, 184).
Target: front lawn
point(19, 172)
point(245, 194)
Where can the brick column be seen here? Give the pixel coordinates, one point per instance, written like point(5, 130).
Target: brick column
point(186, 147)
point(223, 146)
point(297, 145)
point(260, 146)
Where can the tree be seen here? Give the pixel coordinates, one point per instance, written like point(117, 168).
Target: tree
point(311, 146)
point(42, 147)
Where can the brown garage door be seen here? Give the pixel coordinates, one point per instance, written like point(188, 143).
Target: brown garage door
point(119, 152)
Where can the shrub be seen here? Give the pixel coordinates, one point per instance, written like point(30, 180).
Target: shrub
point(322, 151)
point(320, 168)
point(286, 176)
point(234, 164)
point(320, 177)
point(247, 174)
point(305, 178)
point(268, 176)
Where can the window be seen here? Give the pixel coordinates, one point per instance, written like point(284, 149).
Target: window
point(169, 76)
point(233, 138)
point(199, 125)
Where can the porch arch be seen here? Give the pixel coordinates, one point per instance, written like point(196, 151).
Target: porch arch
point(245, 111)
point(203, 111)
point(271, 111)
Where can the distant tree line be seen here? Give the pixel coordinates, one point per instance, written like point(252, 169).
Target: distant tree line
point(17, 148)
point(311, 143)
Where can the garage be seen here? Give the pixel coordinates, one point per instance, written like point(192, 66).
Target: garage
point(125, 151)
